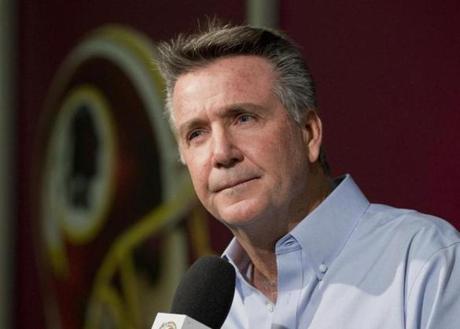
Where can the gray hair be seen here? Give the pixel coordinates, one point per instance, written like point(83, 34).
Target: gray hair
point(294, 86)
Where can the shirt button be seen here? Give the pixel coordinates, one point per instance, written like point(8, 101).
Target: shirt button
point(270, 306)
point(289, 242)
point(323, 268)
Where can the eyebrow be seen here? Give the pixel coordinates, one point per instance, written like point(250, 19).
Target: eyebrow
point(189, 125)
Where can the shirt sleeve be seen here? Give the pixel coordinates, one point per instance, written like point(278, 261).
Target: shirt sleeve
point(434, 297)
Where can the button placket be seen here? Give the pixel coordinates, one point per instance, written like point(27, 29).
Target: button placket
point(270, 306)
point(323, 268)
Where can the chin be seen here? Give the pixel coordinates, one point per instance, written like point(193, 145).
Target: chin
point(240, 214)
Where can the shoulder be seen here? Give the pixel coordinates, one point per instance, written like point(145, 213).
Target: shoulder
point(404, 234)
point(423, 230)
point(420, 239)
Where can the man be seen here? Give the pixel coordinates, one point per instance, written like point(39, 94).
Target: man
point(309, 251)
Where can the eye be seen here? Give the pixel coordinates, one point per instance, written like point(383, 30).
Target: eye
point(194, 134)
point(245, 117)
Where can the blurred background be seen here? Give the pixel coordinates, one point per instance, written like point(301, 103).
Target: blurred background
point(97, 218)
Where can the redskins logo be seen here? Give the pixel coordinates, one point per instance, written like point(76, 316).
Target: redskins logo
point(168, 325)
point(118, 219)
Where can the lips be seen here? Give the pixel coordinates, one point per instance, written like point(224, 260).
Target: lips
point(223, 185)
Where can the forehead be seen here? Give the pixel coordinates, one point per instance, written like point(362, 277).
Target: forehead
point(243, 65)
point(233, 79)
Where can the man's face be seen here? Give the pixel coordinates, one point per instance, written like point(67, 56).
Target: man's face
point(247, 158)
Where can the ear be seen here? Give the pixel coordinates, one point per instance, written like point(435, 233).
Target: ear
point(181, 157)
point(178, 143)
point(312, 133)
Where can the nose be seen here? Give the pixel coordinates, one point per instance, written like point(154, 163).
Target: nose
point(225, 153)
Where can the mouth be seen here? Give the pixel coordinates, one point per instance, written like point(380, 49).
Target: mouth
point(233, 184)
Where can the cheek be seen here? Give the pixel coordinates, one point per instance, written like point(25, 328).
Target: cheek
point(198, 177)
point(288, 157)
point(199, 174)
point(199, 182)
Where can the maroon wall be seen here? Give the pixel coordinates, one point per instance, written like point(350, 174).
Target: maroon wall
point(387, 77)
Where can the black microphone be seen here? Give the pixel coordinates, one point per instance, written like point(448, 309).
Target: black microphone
point(206, 291)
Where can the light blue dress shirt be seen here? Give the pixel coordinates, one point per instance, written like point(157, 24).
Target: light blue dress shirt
point(351, 264)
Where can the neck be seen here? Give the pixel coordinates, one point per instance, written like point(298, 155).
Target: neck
point(259, 239)
point(265, 279)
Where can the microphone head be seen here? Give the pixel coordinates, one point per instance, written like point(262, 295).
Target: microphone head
point(206, 291)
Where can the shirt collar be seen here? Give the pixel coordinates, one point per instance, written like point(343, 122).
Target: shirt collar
point(237, 256)
point(323, 233)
